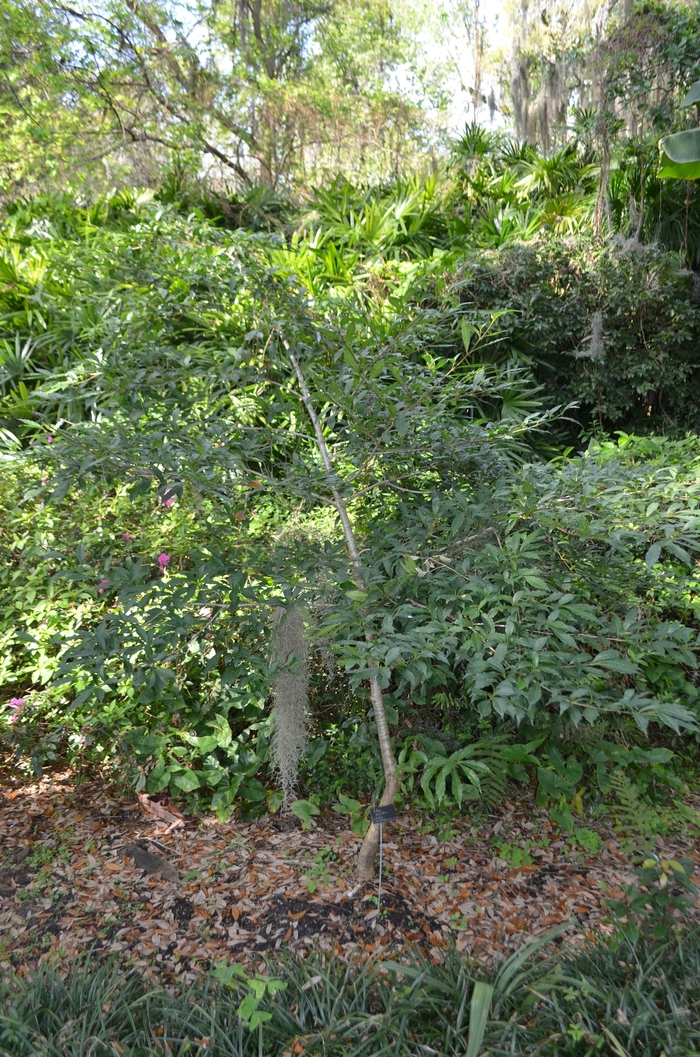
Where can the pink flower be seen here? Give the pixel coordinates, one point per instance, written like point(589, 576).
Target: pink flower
point(44, 480)
point(168, 497)
point(102, 586)
point(163, 560)
point(16, 704)
point(49, 439)
point(128, 537)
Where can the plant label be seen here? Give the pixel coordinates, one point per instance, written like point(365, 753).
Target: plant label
point(383, 814)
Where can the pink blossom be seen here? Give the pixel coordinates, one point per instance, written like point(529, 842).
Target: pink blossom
point(169, 501)
point(16, 704)
point(49, 439)
point(163, 560)
point(44, 480)
point(128, 537)
point(102, 586)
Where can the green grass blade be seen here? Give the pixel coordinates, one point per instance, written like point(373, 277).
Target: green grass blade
point(478, 1016)
point(512, 966)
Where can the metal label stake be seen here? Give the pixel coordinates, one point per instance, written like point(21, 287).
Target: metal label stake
point(381, 849)
point(380, 815)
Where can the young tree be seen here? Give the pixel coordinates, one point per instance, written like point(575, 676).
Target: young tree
point(388, 421)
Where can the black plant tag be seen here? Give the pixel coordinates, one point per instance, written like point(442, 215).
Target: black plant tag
point(383, 814)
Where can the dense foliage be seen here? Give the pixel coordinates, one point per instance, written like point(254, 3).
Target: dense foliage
point(162, 495)
point(502, 392)
point(614, 330)
point(346, 458)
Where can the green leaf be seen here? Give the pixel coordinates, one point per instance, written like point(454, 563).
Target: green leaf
point(563, 818)
point(612, 660)
point(304, 809)
point(258, 985)
point(275, 799)
point(683, 147)
point(392, 713)
point(652, 555)
point(552, 784)
point(253, 790)
point(258, 1018)
point(347, 805)
point(222, 731)
point(677, 171)
point(467, 331)
point(248, 1007)
point(356, 595)
point(186, 780)
point(440, 783)
point(693, 95)
point(680, 154)
point(205, 744)
point(229, 975)
point(479, 1009)
point(221, 803)
point(678, 552)
point(315, 752)
point(668, 713)
point(473, 777)
point(158, 778)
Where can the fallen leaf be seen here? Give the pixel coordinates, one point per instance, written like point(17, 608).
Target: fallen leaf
point(171, 816)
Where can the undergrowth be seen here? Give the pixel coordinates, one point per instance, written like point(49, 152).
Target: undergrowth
point(575, 1001)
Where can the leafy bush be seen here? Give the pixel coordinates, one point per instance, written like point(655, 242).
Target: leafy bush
point(613, 327)
point(159, 404)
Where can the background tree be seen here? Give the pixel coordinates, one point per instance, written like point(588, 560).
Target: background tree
point(262, 91)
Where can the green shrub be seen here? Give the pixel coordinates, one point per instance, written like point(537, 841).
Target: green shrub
point(613, 328)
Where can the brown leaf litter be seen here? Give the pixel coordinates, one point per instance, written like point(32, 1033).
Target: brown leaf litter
point(82, 869)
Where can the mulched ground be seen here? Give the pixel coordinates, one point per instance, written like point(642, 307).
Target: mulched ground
point(69, 883)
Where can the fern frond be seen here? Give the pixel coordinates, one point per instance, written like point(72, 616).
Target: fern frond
point(635, 819)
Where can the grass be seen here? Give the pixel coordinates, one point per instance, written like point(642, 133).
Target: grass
point(632, 1000)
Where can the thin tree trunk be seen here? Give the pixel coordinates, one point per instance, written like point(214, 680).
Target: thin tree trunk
point(478, 56)
point(602, 204)
point(370, 845)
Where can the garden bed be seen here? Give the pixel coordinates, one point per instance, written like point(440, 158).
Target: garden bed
point(238, 891)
